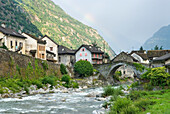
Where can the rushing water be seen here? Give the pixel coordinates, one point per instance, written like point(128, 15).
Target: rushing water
point(57, 103)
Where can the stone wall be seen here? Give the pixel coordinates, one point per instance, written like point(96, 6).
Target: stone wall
point(12, 63)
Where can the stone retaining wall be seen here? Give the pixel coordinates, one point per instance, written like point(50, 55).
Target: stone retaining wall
point(10, 62)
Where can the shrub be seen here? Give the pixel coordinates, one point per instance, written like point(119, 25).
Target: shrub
point(157, 76)
point(45, 65)
point(83, 68)
point(75, 84)
point(66, 78)
point(139, 67)
point(49, 80)
point(117, 75)
point(109, 90)
point(37, 83)
point(63, 69)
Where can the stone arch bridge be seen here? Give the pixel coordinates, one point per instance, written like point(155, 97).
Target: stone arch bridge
point(108, 70)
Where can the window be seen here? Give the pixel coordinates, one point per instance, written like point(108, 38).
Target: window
point(11, 45)
point(97, 56)
point(93, 55)
point(86, 59)
point(59, 59)
point(83, 49)
point(51, 48)
point(43, 56)
point(16, 45)
point(85, 54)
point(21, 44)
point(80, 54)
point(41, 48)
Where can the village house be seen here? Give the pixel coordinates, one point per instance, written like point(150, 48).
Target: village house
point(162, 61)
point(51, 49)
point(66, 56)
point(35, 47)
point(13, 40)
point(106, 58)
point(141, 56)
point(89, 53)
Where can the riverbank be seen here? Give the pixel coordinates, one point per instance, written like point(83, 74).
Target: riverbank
point(18, 88)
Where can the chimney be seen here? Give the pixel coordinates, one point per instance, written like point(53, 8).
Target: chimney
point(3, 25)
point(39, 37)
point(19, 31)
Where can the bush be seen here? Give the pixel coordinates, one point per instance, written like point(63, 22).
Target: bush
point(45, 65)
point(37, 83)
point(75, 84)
point(157, 76)
point(139, 67)
point(83, 68)
point(109, 90)
point(117, 75)
point(63, 69)
point(66, 78)
point(49, 80)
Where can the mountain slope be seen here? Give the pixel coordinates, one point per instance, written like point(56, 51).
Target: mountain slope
point(160, 38)
point(51, 20)
point(16, 18)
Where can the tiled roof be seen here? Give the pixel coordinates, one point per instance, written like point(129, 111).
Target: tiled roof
point(64, 50)
point(11, 32)
point(137, 51)
point(157, 53)
point(92, 49)
point(38, 40)
point(164, 57)
point(50, 39)
point(143, 55)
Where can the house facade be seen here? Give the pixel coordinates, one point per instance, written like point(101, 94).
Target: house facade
point(52, 49)
point(141, 56)
point(66, 56)
point(35, 47)
point(13, 40)
point(89, 53)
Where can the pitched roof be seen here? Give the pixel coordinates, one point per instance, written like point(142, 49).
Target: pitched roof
point(92, 49)
point(143, 55)
point(8, 31)
point(162, 58)
point(50, 39)
point(38, 40)
point(157, 53)
point(137, 51)
point(126, 55)
point(64, 50)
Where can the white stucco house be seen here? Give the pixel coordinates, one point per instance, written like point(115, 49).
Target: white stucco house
point(13, 40)
point(35, 47)
point(141, 56)
point(89, 53)
point(52, 49)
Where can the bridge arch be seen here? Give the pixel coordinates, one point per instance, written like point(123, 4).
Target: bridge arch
point(116, 66)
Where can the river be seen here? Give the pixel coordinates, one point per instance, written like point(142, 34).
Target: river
point(57, 103)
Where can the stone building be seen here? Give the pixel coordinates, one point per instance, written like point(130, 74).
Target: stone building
point(35, 47)
point(52, 49)
point(13, 40)
point(141, 56)
point(89, 53)
point(66, 56)
point(162, 61)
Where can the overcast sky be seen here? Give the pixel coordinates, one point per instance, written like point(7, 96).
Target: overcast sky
point(124, 24)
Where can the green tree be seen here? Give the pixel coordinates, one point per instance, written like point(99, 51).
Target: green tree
point(157, 76)
point(141, 48)
point(63, 69)
point(156, 47)
point(83, 68)
point(161, 48)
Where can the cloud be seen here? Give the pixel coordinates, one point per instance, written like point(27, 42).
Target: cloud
point(125, 24)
